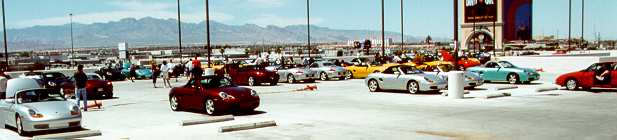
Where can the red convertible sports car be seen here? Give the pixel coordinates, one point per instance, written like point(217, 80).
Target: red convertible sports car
point(251, 75)
point(601, 75)
point(213, 95)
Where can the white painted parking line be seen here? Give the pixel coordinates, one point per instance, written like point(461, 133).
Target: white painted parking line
point(69, 135)
point(207, 120)
point(247, 126)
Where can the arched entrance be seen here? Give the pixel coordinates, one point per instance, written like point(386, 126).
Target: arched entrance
point(480, 41)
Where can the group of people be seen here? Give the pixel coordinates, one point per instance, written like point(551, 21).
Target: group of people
point(164, 70)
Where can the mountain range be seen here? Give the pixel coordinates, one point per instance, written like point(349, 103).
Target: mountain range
point(153, 31)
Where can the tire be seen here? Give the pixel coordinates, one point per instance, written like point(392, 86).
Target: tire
point(513, 78)
point(251, 81)
point(348, 75)
point(323, 76)
point(173, 103)
point(373, 85)
point(273, 83)
point(571, 84)
point(291, 79)
point(209, 107)
point(413, 87)
point(19, 126)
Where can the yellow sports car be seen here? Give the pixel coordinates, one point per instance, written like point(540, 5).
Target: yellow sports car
point(362, 71)
point(433, 64)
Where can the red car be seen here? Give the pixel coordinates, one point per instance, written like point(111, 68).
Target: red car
point(214, 95)
point(250, 75)
point(591, 77)
point(97, 88)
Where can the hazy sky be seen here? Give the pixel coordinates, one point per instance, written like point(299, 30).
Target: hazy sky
point(422, 17)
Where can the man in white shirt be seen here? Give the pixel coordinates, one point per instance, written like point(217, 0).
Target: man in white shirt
point(165, 72)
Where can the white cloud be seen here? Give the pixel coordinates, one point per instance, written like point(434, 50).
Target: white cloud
point(265, 20)
point(267, 3)
point(128, 9)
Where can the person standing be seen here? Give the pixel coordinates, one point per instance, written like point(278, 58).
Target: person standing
point(3, 80)
point(155, 74)
point(165, 71)
point(132, 73)
point(80, 85)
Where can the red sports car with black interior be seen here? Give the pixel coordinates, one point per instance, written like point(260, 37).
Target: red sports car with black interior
point(598, 75)
point(213, 95)
point(97, 88)
point(251, 75)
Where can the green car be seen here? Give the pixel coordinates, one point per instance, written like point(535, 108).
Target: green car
point(505, 71)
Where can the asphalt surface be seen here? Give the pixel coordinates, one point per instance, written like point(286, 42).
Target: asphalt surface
point(347, 110)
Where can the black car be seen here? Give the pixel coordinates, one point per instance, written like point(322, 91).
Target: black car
point(111, 74)
point(55, 81)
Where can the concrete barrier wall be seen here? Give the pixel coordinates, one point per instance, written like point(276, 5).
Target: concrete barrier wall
point(67, 72)
point(553, 64)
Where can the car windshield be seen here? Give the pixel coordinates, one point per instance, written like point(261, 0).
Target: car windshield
point(446, 68)
point(216, 82)
point(327, 64)
point(506, 64)
point(409, 70)
point(39, 95)
point(94, 77)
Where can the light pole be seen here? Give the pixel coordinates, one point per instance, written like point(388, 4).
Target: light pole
point(402, 30)
point(456, 47)
point(6, 53)
point(72, 43)
point(569, 24)
point(208, 33)
point(383, 32)
point(179, 32)
point(308, 26)
point(583, 23)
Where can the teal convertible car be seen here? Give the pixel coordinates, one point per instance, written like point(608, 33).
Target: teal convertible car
point(505, 71)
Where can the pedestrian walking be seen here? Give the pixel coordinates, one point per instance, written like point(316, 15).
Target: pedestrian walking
point(80, 86)
point(165, 72)
point(132, 73)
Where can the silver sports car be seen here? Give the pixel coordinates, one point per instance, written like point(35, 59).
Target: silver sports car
point(28, 107)
point(292, 74)
point(327, 70)
point(402, 77)
point(472, 80)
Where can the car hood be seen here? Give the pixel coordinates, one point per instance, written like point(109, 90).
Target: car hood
point(51, 107)
point(96, 83)
point(237, 92)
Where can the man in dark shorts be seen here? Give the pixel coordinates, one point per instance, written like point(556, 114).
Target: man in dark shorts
point(132, 73)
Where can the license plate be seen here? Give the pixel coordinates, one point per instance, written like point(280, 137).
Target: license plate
point(101, 89)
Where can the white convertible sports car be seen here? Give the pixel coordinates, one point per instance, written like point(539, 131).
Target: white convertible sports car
point(402, 77)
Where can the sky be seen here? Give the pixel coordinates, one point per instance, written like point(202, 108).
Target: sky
point(422, 17)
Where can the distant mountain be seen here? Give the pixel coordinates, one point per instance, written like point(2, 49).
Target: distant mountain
point(149, 31)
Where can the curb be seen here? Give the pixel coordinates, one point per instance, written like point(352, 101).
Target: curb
point(544, 89)
point(207, 120)
point(506, 87)
point(247, 126)
point(70, 135)
point(496, 95)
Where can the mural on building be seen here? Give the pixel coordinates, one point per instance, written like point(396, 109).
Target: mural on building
point(518, 20)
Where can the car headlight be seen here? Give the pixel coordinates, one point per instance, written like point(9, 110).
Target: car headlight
point(471, 78)
point(34, 114)
point(75, 111)
point(254, 93)
point(51, 84)
point(428, 80)
point(225, 96)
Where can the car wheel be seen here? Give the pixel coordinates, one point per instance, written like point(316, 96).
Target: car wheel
point(571, 84)
point(19, 126)
point(513, 78)
point(373, 85)
point(209, 107)
point(348, 75)
point(173, 103)
point(273, 83)
point(290, 79)
point(251, 81)
point(413, 87)
point(323, 76)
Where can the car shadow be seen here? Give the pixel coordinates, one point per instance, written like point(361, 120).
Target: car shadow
point(476, 89)
point(48, 132)
point(235, 113)
point(406, 92)
point(251, 113)
point(601, 91)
